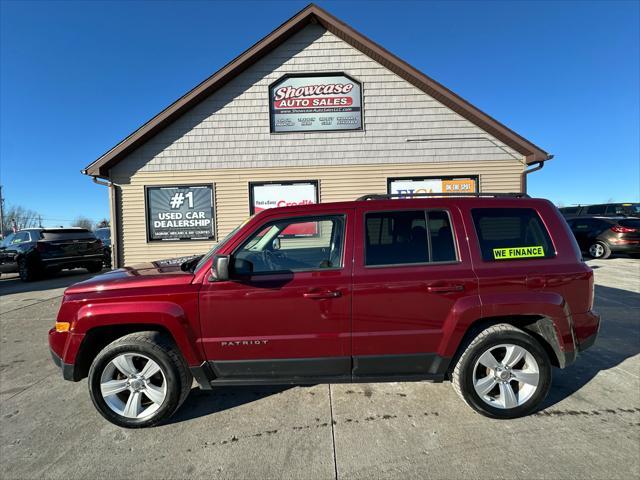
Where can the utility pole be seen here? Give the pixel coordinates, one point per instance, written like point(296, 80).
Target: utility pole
point(40, 221)
point(1, 214)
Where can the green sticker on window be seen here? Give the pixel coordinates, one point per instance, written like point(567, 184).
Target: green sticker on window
point(518, 252)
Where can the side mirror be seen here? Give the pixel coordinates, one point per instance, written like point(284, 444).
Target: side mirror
point(220, 268)
point(275, 245)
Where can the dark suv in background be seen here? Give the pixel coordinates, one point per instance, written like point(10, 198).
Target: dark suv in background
point(602, 236)
point(602, 210)
point(34, 251)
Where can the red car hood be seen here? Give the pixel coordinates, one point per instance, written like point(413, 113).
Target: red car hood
point(137, 276)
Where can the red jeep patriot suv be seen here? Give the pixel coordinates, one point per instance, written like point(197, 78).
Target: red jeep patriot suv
point(487, 291)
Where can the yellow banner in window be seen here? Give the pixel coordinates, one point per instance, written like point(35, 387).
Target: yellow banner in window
point(518, 252)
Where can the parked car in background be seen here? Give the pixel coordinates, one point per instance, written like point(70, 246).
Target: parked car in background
point(599, 237)
point(104, 234)
point(34, 251)
point(489, 293)
point(602, 210)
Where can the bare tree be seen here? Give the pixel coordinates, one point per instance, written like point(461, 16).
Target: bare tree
point(83, 222)
point(103, 223)
point(20, 217)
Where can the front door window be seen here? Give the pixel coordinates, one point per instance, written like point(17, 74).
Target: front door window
point(293, 245)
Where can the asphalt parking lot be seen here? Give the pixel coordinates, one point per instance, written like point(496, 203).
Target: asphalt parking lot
point(589, 426)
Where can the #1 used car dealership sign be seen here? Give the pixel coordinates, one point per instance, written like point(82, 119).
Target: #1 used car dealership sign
point(309, 103)
point(180, 212)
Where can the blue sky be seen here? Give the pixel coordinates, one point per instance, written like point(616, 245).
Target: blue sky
point(77, 77)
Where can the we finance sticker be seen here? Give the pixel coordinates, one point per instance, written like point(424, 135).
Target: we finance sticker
point(518, 252)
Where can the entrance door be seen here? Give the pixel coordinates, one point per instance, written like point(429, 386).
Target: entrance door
point(409, 274)
point(285, 313)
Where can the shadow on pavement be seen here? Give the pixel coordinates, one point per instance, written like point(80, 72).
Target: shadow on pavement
point(11, 283)
point(203, 402)
point(619, 339)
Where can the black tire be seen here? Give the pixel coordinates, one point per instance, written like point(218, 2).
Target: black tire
point(599, 247)
point(94, 267)
point(462, 376)
point(27, 270)
point(160, 349)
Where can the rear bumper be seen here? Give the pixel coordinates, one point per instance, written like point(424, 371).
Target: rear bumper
point(64, 262)
point(586, 327)
point(625, 248)
point(587, 342)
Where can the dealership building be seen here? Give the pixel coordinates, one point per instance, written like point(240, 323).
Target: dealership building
point(313, 112)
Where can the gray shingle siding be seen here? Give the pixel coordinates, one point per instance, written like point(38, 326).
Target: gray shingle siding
point(230, 129)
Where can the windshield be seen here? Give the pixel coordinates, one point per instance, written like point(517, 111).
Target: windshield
point(217, 247)
point(7, 240)
point(103, 233)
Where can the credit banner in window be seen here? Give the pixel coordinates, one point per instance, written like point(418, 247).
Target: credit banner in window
point(180, 213)
point(273, 195)
point(410, 187)
point(315, 103)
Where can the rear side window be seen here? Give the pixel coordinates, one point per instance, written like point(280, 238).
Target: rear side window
point(408, 237)
point(511, 234)
point(569, 210)
point(56, 235)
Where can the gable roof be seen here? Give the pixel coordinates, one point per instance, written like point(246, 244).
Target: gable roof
point(309, 15)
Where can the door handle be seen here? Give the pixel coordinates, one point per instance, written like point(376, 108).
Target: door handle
point(323, 294)
point(444, 288)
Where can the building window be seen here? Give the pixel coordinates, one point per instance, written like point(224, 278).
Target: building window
point(263, 196)
point(183, 212)
point(407, 187)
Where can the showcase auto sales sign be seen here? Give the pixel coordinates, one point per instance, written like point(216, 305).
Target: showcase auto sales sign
point(309, 103)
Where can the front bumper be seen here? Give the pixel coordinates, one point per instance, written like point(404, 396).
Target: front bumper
point(68, 370)
point(64, 347)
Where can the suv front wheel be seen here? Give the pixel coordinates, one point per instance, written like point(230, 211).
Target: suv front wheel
point(503, 373)
point(139, 380)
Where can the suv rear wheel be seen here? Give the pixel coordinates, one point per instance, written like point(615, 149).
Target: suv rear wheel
point(599, 250)
point(139, 380)
point(503, 373)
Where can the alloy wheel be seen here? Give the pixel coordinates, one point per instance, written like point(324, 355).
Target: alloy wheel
point(133, 385)
point(506, 376)
point(596, 250)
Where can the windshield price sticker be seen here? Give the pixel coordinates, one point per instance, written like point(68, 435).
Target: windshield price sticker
point(518, 252)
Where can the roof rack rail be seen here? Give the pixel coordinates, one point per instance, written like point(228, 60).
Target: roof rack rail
point(385, 196)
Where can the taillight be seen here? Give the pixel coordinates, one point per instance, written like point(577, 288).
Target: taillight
point(621, 229)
